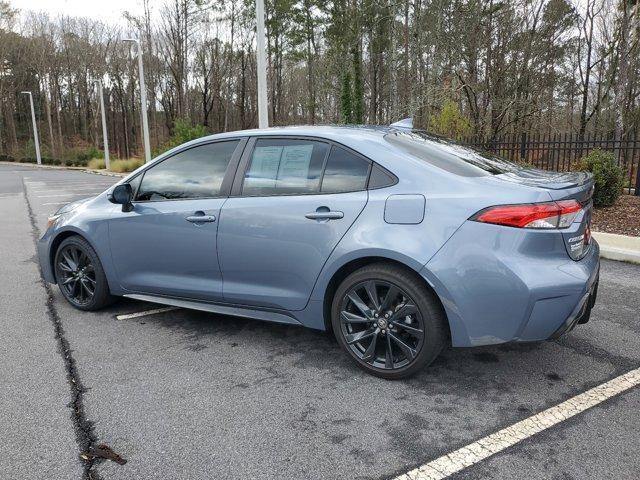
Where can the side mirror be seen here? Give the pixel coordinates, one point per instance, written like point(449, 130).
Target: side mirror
point(122, 195)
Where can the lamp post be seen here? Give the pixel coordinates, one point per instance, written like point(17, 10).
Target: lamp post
point(105, 140)
point(263, 115)
point(35, 128)
point(143, 99)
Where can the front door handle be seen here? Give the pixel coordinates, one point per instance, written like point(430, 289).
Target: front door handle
point(200, 217)
point(324, 215)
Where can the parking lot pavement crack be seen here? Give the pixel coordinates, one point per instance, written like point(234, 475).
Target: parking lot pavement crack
point(85, 435)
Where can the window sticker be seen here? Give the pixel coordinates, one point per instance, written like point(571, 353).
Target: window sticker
point(264, 166)
point(294, 166)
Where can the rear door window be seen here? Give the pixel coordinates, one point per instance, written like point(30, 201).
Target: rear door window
point(345, 172)
point(285, 167)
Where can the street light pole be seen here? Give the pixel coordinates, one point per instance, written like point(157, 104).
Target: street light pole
point(105, 140)
point(35, 128)
point(263, 115)
point(143, 100)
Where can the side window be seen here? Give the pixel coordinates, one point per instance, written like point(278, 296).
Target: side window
point(135, 183)
point(193, 173)
point(285, 166)
point(345, 172)
point(380, 178)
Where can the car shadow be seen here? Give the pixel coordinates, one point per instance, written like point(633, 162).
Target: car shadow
point(500, 368)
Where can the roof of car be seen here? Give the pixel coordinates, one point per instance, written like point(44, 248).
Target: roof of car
point(325, 131)
point(366, 139)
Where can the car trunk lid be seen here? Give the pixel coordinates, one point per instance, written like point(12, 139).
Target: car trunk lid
point(560, 185)
point(563, 186)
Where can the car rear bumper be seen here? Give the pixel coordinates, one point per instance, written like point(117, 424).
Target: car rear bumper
point(499, 284)
point(550, 325)
point(582, 312)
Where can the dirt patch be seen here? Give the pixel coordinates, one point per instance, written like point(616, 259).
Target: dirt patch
point(622, 218)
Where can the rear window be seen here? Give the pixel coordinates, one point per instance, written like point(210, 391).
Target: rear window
point(448, 155)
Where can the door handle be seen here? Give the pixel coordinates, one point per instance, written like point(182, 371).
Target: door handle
point(201, 218)
point(324, 215)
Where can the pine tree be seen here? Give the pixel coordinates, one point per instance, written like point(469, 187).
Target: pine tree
point(346, 107)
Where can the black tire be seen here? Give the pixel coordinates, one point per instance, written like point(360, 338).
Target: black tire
point(80, 276)
point(400, 330)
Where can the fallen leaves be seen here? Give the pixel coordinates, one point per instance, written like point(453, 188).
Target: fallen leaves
point(622, 218)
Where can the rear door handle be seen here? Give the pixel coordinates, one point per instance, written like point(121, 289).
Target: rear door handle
point(201, 218)
point(330, 215)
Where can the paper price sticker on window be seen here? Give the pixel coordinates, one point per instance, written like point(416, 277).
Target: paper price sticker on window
point(294, 164)
point(264, 166)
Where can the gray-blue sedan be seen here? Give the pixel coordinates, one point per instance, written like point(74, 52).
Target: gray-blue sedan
point(398, 241)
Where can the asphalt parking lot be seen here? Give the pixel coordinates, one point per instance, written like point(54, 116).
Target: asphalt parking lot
point(189, 395)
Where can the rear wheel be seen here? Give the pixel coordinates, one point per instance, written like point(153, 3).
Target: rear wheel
point(387, 321)
point(80, 276)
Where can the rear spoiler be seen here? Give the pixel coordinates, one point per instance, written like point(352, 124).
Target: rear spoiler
point(404, 124)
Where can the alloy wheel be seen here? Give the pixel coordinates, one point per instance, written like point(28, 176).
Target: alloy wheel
point(381, 324)
point(76, 274)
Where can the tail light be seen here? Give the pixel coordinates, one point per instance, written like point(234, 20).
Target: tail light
point(532, 215)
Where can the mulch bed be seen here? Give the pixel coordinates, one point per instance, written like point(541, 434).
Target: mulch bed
point(622, 218)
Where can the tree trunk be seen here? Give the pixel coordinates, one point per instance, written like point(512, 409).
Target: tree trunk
point(623, 76)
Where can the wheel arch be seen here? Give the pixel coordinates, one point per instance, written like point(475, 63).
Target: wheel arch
point(61, 237)
point(352, 265)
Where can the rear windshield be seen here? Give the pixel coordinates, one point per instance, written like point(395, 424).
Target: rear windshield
point(449, 155)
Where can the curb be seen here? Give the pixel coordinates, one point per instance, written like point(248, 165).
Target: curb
point(623, 248)
point(61, 167)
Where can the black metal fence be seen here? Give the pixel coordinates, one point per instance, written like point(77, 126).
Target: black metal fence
point(560, 152)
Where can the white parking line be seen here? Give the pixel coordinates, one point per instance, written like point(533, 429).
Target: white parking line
point(37, 186)
point(62, 184)
point(67, 194)
point(145, 313)
point(100, 181)
point(75, 189)
point(496, 442)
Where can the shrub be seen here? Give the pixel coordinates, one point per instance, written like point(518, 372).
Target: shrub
point(76, 163)
point(88, 154)
point(51, 161)
point(45, 160)
point(124, 166)
point(607, 175)
point(7, 158)
point(79, 156)
point(183, 131)
point(96, 163)
point(523, 163)
point(450, 122)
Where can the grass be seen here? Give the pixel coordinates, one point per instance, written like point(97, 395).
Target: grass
point(119, 166)
point(128, 165)
point(96, 163)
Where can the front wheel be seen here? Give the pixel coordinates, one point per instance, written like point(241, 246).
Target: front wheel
point(388, 321)
point(80, 276)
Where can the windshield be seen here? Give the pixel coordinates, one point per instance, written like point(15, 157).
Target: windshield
point(448, 155)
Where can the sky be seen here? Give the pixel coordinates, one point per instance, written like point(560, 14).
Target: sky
point(109, 11)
